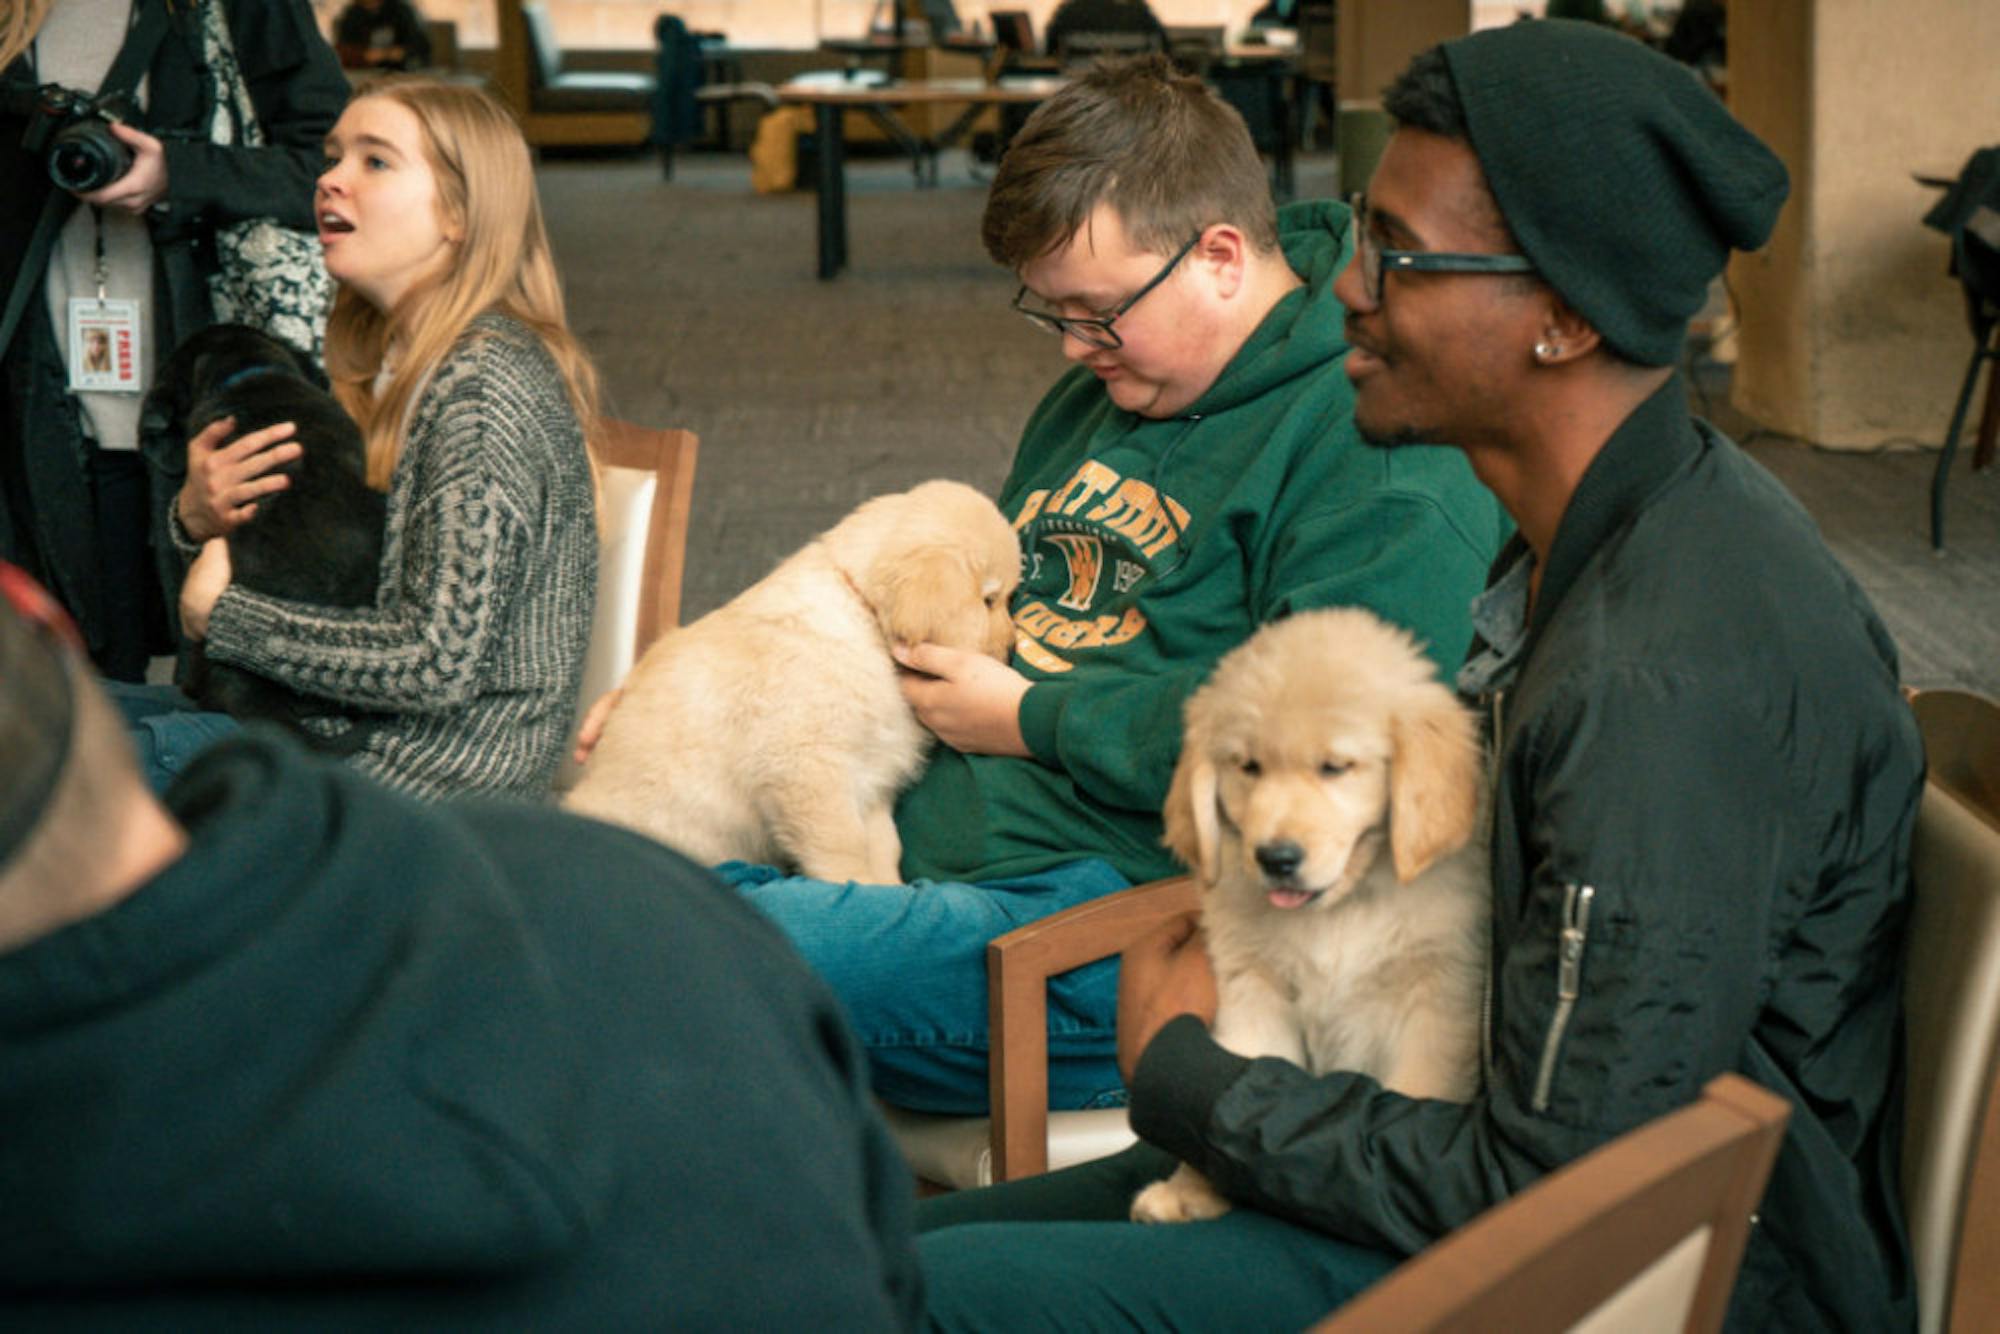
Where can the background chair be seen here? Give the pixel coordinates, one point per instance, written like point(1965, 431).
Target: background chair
point(1970, 215)
point(558, 105)
point(1023, 1137)
point(646, 486)
point(1319, 67)
point(1951, 1135)
point(1194, 47)
point(1645, 1234)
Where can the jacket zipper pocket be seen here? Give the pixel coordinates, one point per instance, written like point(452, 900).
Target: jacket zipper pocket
point(1569, 983)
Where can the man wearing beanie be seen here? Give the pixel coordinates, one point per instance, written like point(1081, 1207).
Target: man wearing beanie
point(1705, 780)
point(291, 1049)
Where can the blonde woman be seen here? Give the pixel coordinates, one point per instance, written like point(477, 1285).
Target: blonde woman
point(448, 344)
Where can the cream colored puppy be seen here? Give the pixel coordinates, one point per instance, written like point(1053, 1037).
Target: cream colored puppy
point(1327, 796)
point(773, 729)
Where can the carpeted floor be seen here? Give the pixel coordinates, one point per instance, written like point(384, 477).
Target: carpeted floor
point(698, 299)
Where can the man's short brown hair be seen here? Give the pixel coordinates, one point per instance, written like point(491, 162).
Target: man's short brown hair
point(1156, 145)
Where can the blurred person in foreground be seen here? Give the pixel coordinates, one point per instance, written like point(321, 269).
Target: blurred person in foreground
point(289, 1047)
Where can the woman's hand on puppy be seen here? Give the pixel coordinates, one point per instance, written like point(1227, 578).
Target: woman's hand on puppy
point(225, 480)
point(1162, 976)
point(205, 582)
point(592, 730)
point(970, 701)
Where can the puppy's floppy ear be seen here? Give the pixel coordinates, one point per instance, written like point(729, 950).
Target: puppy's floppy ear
point(165, 407)
point(1193, 831)
point(924, 595)
point(1434, 780)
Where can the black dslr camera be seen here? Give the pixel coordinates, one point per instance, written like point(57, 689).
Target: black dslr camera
point(73, 130)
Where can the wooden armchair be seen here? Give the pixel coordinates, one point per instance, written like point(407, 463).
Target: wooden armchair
point(1022, 1137)
point(645, 491)
point(1951, 1002)
point(1645, 1234)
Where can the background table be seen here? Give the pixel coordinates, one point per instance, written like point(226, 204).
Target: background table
point(881, 101)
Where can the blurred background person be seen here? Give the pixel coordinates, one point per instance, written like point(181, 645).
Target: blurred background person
point(381, 34)
point(77, 508)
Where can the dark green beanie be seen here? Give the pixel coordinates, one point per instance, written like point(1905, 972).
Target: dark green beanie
point(1622, 177)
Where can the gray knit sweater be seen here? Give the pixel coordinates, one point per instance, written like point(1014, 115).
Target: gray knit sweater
point(475, 644)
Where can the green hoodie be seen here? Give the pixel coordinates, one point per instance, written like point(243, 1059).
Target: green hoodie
point(1153, 547)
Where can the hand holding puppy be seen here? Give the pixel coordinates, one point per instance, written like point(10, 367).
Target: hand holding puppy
point(1161, 976)
point(224, 481)
point(971, 702)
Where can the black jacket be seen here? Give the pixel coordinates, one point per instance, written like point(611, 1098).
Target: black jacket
point(355, 1062)
point(46, 522)
point(1705, 730)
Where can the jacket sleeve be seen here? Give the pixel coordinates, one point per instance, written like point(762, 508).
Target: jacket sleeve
point(1648, 792)
point(297, 87)
point(1399, 553)
point(468, 531)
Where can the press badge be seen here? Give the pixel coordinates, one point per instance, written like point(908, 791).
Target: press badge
point(104, 345)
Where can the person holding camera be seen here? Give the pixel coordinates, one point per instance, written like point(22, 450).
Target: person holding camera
point(108, 198)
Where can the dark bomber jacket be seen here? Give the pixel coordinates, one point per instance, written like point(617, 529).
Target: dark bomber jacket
point(1704, 771)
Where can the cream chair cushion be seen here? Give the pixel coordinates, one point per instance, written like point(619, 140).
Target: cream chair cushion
point(957, 1151)
point(1951, 1000)
point(625, 508)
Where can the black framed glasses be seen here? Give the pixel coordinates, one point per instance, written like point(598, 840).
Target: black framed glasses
point(1097, 330)
point(1375, 261)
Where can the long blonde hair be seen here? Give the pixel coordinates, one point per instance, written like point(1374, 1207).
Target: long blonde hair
point(20, 20)
point(486, 193)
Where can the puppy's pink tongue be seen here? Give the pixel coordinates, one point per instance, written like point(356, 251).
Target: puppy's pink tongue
point(1289, 898)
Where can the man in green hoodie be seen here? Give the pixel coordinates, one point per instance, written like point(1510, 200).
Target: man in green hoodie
point(1194, 474)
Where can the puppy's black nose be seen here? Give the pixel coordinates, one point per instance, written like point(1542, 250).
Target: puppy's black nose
point(1281, 858)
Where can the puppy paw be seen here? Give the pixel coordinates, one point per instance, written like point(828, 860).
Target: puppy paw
point(1184, 1197)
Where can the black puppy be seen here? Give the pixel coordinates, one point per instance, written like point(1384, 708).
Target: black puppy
point(318, 541)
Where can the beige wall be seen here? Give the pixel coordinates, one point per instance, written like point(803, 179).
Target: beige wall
point(1852, 335)
point(1378, 37)
point(628, 24)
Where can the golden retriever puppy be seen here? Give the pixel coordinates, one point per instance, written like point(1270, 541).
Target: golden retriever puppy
point(772, 729)
point(1326, 797)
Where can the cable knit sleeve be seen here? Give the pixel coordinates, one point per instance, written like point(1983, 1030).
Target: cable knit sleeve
point(467, 488)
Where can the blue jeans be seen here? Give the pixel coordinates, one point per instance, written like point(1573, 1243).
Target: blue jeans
point(168, 729)
point(909, 962)
point(1057, 1252)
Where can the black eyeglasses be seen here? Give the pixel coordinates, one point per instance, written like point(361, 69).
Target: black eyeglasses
point(1375, 261)
point(1097, 331)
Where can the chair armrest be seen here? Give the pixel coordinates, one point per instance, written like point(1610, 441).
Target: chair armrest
point(671, 454)
point(1018, 967)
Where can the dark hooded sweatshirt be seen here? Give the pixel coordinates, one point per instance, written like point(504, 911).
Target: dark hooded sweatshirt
point(357, 1061)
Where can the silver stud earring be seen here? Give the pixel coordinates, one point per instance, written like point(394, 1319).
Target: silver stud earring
point(1546, 351)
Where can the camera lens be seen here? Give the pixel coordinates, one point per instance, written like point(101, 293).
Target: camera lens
point(87, 156)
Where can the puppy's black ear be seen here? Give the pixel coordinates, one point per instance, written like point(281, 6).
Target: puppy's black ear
point(165, 407)
point(309, 369)
point(1434, 780)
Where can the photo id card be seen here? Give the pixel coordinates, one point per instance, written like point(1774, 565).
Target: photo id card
point(104, 345)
